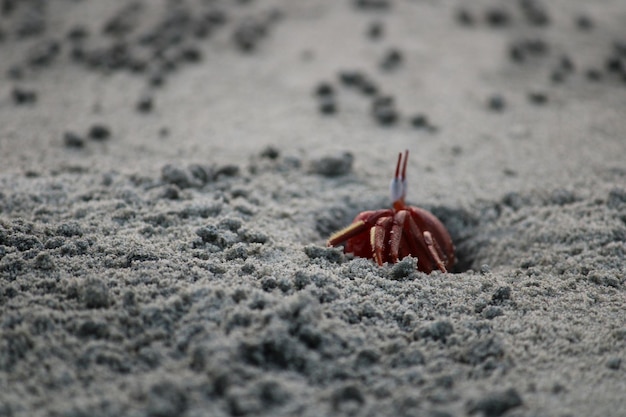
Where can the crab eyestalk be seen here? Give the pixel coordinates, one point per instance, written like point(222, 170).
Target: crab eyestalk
point(398, 183)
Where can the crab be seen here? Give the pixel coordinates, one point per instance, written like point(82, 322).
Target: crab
point(389, 235)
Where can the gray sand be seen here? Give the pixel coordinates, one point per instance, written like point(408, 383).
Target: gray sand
point(178, 266)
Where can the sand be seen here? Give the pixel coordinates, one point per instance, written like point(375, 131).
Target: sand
point(170, 172)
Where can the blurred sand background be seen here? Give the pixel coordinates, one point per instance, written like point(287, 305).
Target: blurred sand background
point(170, 171)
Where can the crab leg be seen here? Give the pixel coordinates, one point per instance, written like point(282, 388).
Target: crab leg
point(377, 238)
point(396, 234)
point(418, 247)
point(359, 226)
point(435, 251)
point(426, 244)
point(397, 237)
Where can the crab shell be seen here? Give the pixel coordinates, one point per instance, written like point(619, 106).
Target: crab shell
point(413, 243)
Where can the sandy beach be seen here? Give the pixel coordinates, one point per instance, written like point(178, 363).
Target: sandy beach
point(170, 172)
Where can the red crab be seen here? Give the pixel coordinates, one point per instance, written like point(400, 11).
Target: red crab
point(389, 235)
